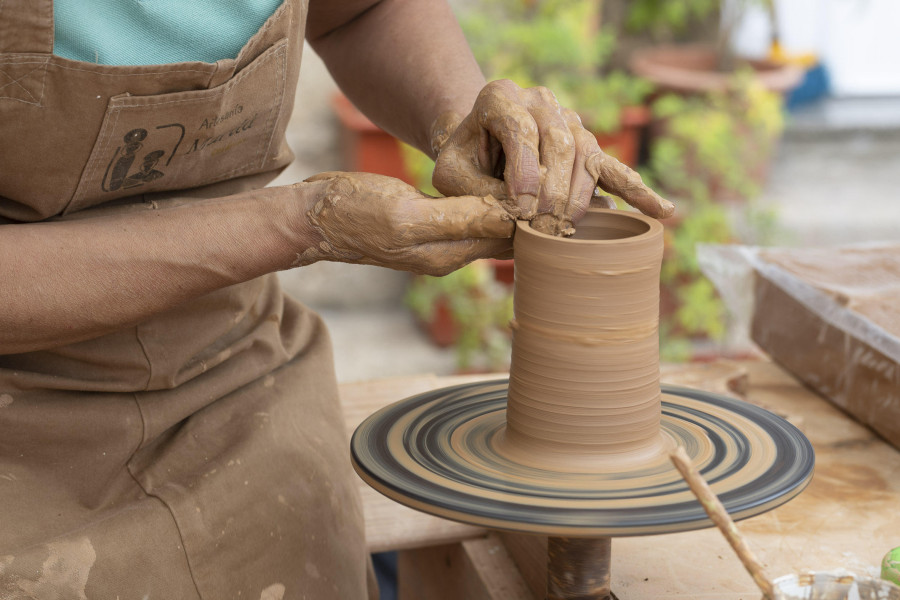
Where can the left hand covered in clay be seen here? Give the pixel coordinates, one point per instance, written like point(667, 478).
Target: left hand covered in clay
point(521, 147)
point(370, 219)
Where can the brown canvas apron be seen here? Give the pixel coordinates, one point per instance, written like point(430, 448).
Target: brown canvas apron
point(200, 454)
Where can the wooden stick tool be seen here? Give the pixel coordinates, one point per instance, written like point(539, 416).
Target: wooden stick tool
point(716, 511)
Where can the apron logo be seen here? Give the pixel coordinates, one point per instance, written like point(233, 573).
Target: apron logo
point(123, 173)
point(145, 153)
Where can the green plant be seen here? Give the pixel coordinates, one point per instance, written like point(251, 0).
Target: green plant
point(419, 167)
point(710, 147)
point(670, 15)
point(718, 144)
point(480, 309)
point(691, 308)
point(559, 44)
point(672, 18)
point(600, 100)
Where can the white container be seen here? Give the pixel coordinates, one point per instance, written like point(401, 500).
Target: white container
point(833, 586)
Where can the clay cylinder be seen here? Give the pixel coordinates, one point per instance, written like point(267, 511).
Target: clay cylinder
point(584, 390)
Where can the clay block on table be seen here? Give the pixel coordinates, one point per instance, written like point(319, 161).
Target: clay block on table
point(832, 318)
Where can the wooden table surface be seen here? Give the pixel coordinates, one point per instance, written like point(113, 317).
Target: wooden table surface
point(847, 517)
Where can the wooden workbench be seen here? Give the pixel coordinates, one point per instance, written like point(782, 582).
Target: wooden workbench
point(847, 518)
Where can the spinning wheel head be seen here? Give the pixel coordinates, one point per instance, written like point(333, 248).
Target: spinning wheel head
point(438, 452)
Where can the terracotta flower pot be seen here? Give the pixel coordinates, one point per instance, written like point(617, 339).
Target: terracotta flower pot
point(625, 144)
point(692, 69)
point(364, 146)
point(504, 270)
point(441, 328)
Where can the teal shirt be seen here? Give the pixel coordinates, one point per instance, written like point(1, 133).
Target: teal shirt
point(154, 32)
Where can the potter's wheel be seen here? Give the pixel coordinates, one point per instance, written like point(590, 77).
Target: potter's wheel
point(435, 452)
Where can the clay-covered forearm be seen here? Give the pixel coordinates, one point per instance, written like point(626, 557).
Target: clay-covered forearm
point(403, 63)
point(76, 279)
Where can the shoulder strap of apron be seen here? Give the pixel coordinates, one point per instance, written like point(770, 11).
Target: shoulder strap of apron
point(26, 26)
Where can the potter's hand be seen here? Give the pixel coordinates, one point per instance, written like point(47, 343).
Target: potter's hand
point(377, 220)
point(548, 162)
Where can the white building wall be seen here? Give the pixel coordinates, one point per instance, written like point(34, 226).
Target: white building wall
point(857, 40)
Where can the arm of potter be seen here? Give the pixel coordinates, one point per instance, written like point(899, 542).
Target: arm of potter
point(71, 280)
point(402, 63)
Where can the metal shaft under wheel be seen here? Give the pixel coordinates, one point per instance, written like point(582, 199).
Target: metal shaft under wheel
point(578, 568)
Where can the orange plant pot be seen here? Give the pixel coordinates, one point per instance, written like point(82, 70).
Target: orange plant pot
point(692, 69)
point(364, 146)
point(625, 144)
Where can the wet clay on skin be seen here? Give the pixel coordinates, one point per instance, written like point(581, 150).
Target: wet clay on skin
point(521, 147)
point(370, 219)
point(584, 389)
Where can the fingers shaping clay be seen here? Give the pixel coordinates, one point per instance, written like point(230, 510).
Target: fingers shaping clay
point(364, 218)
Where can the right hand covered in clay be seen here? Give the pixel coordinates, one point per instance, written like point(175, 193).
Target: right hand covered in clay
point(371, 219)
point(523, 148)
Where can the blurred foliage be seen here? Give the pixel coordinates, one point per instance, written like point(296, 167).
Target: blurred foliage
point(705, 222)
point(670, 15)
point(535, 41)
point(600, 100)
point(480, 308)
point(701, 21)
point(697, 311)
point(558, 44)
point(710, 148)
point(716, 145)
point(760, 226)
point(420, 167)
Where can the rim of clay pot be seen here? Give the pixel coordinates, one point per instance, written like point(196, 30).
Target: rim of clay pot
point(597, 216)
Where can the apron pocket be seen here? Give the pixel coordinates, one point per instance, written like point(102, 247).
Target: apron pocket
point(187, 139)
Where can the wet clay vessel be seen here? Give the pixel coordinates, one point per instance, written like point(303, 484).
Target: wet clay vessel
point(575, 444)
point(584, 378)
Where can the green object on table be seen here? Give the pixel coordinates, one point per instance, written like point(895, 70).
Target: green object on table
point(890, 566)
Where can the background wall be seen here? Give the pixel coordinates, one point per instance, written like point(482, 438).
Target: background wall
point(857, 40)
